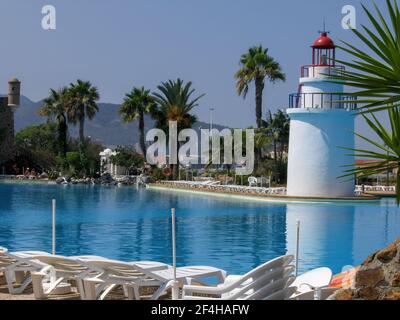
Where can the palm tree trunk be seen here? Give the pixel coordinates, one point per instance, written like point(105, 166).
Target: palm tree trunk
point(259, 92)
point(141, 133)
point(62, 137)
point(81, 134)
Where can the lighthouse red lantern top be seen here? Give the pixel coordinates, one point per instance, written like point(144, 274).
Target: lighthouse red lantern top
point(324, 42)
point(323, 51)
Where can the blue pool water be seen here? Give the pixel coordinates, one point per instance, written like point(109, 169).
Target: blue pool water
point(236, 235)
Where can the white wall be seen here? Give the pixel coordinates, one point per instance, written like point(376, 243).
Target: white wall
point(315, 157)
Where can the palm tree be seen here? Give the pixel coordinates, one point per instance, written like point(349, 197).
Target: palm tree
point(278, 128)
point(387, 150)
point(82, 97)
point(257, 66)
point(175, 103)
point(136, 104)
point(54, 108)
point(376, 74)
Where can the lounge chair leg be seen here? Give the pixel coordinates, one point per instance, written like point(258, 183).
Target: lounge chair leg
point(164, 287)
point(37, 284)
point(89, 289)
point(9, 275)
point(25, 283)
point(19, 276)
point(132, 293)
point(137, 292)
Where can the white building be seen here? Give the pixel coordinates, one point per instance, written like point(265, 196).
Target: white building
point(107, 166)
point(322, 124)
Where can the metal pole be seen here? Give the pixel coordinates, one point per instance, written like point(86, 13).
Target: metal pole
point(175, 288)
point(387, 173)
point(54, 228)
point(211, 118)
point(297, 246)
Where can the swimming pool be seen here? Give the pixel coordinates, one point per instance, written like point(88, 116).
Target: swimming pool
point(236, 235)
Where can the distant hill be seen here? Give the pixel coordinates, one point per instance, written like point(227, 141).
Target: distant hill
point(106, 127)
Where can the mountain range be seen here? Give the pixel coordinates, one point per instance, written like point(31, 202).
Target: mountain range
point(106, 127)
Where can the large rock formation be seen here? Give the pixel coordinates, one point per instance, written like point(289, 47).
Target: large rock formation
point(378, 277)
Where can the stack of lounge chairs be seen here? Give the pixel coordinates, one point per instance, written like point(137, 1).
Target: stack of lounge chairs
point(95, 278)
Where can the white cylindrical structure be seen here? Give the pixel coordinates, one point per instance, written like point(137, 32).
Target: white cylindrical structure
point(316, 155)
point(321, 128)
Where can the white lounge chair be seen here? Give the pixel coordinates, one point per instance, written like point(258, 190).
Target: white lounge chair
point(17, 268)
point(312, 280)
point(259, 284)
point(55, 277)
point(111, 273)
point(322, 294)
point(133, 275)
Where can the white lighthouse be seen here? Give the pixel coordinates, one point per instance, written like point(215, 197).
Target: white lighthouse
point(321, 125)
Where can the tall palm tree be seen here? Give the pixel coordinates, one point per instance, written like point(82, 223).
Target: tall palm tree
point(175, 103)
point(387, 149)
point(136, 104)
point(376, 74)
point(257, 66)
point(82, 98)
point(54, 108)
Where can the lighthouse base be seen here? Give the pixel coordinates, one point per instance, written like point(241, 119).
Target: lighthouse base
point(317, 157)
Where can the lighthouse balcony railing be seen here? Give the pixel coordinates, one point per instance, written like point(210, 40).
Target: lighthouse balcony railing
point(318, 70)
point(322, 101)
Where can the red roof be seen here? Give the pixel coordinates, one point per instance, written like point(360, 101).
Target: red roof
point(324, 42)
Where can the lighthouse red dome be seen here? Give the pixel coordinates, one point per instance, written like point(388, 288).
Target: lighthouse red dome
point(323, 42)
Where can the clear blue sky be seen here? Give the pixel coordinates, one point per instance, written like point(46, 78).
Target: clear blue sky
point(124, 43)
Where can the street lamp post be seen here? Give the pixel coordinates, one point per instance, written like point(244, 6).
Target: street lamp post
point(211, 118)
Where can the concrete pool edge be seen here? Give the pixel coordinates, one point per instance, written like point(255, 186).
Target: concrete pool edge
point(262, 198)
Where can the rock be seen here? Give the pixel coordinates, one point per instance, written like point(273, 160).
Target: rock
point(392, 294)
point(386, 255)
point(60, 180)
point(368, 293)
point(369, 277)
point(345, 294)
point(44, 175)
point(378, 278)
point(396, 280)
point(370, 258)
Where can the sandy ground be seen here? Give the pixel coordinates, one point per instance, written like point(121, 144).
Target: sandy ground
point(116, 294)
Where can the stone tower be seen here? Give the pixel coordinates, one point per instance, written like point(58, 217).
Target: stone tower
point(7, 108)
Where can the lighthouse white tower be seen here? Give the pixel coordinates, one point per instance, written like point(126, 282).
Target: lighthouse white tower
point(321, 124)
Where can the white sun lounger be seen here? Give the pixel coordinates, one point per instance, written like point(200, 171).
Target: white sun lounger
point(260, 283)
point(312, 280)
point(323, 294)
point(17, 268)
point(133, 275)
point(55, 277)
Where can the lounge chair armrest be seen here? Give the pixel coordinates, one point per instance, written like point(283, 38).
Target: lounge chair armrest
point(42, 272)
point(189, 289)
